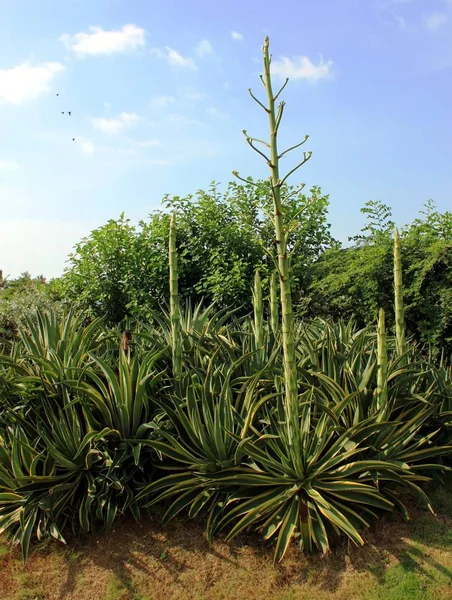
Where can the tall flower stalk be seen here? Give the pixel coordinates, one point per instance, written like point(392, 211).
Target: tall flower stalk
point(258, 311)
point(382, 362)
point(274, 306)
point(277, 182)
point(398, 296)
point(175, 317)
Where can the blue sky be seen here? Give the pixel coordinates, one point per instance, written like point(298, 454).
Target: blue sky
point(158, 95)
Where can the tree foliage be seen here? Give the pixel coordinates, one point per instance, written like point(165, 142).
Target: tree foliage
point(358, 280)
point(121, 270)
point(19, 300)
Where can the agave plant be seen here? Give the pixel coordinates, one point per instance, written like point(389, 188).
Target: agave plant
point(63, 339)
point(274, 307)
point(83, 460)
point(258, 311)
point(203, 330)
point(398, 295)
point(382, 350)
point(176, 332)
point(308, 488)
point(303, 435)
point(281, 230)
point(51, 355)
point(62, 476)
point(214, 412)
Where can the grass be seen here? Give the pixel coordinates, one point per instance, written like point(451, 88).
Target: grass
point(143, 561)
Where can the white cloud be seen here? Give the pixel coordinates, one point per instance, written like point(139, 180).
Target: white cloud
point(25, 81)
point(179, 119)
point(8, 165)
point(86, 146)
point(401, 22)
point(203, 48)
point(195, 96)
point(435, 20)
point(126, 151)
point(174, 58)
point(135, 148)
point(115, 125)
point(216, 112)
point(99, 41)
point(236, 35)
point(301, 67)
point(164, 100)
point(184, 150)
point(149, 143)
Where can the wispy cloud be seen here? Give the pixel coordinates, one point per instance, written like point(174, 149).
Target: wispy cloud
point(163, 100)
point(26, 82)
point(116, 125)
point(101, 42)
point(401, 22)
point(194, 96)
point(178, 119)
point(301, 67)
point(216, 112)
point(174, 58)
point(149, 143)
point(236, 35)
point(8, 165)
point(435, 20)
point(86, 146)
point(203, 48)
point(126, 151)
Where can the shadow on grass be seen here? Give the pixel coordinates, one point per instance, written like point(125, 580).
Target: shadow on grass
point(146, 556)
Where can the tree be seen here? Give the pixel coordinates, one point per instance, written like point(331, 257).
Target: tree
point(121, 270)
point(19, 299)
point(357, 281)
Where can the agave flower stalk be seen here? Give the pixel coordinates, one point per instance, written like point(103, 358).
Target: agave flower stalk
point(274, 308)
point(382, 362)
point(398, 296)
point(175, 317)
point(281, 232)
point(258, 311)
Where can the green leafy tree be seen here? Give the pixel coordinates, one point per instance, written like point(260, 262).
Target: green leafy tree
point(121, 270)
point(427, 248)
point(358, 280)
point(19, 300)
point(102, 266)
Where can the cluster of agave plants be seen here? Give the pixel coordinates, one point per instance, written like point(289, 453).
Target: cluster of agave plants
point(297, 430)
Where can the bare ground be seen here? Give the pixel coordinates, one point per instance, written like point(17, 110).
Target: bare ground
point(144, 561)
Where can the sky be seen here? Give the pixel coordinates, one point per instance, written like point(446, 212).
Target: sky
point(158, 98)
